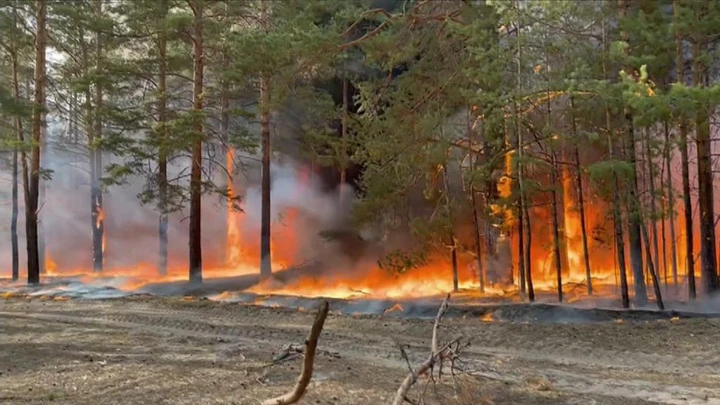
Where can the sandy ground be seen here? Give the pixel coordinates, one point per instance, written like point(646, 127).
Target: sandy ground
point(175, 351)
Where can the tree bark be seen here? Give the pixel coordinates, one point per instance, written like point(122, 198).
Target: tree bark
point(453, 243)
point(96, 203)
point(556, 226)
point(476, 237)
point(19, 137)
point(31, 204)
point(651, 269)
point(528, 250)
point(708, 257)
point(195, 251)
point(671, 210)
point(162, 144)
point(653, 204)
point(687, 202)
point(265, 253)
point(581, 202)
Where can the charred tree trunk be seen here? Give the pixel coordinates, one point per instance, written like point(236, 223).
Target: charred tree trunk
point(163, 141)
point(96, 203)
point(33, 187)
point(581, 202)
point(195, 251)
point(708, 255)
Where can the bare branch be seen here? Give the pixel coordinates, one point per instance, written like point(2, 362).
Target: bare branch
point(306, 373)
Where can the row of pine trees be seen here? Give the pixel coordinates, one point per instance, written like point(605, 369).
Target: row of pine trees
point(458, 112)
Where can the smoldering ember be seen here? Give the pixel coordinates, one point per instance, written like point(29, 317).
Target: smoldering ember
point(359, 202)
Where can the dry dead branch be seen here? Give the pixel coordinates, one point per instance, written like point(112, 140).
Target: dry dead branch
point(448, 351)
point(306, 373)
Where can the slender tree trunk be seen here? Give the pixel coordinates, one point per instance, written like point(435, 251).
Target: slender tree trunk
point(708, 255)
point(671, 209)
point(557, 252)
point(31, 205)
point(453, 244)
point(20, 139)
point(521, 200)
point(473, 198)
point(653, 204)
point(15, 175)
point(687, 202)
point(265, 253)
point(581, 202)
point(195, 250)
point(343, 138)
point(663, 227)
point(97, 213)
point(634, 215)
point(651, 269)
point(162, 144)
point(616, 210)
point(634, 218)
point(476, 237)
point(556, 225)
point(528, 250)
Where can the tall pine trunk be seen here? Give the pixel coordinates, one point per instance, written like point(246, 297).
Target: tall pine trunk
point(616, 210)
point(195, 251)
point(687, 202)
point(265, 253)
point(96, 203)
point(162, 144)
point(671, 209)
point(453, 243)
point(521, 200)
point(473, 199)
point(33, 187)
point(708, 257)
point(554, 184)
point(653, 203)
point(581, 201)
point(15, 173)
point(556, 224)
point(634, 216)
point(528, 250)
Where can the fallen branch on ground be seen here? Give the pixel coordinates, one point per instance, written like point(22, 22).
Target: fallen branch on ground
point(449, 351)
point(306, 373)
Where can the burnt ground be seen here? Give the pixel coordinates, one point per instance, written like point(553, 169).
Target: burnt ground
point(143, 350)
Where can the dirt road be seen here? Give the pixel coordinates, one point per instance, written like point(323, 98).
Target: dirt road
point(171, 351)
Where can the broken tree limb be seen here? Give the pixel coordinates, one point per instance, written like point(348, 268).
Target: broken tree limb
point(435, 356)
point(412, 377)
point(438, 317)
point(306, 373)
